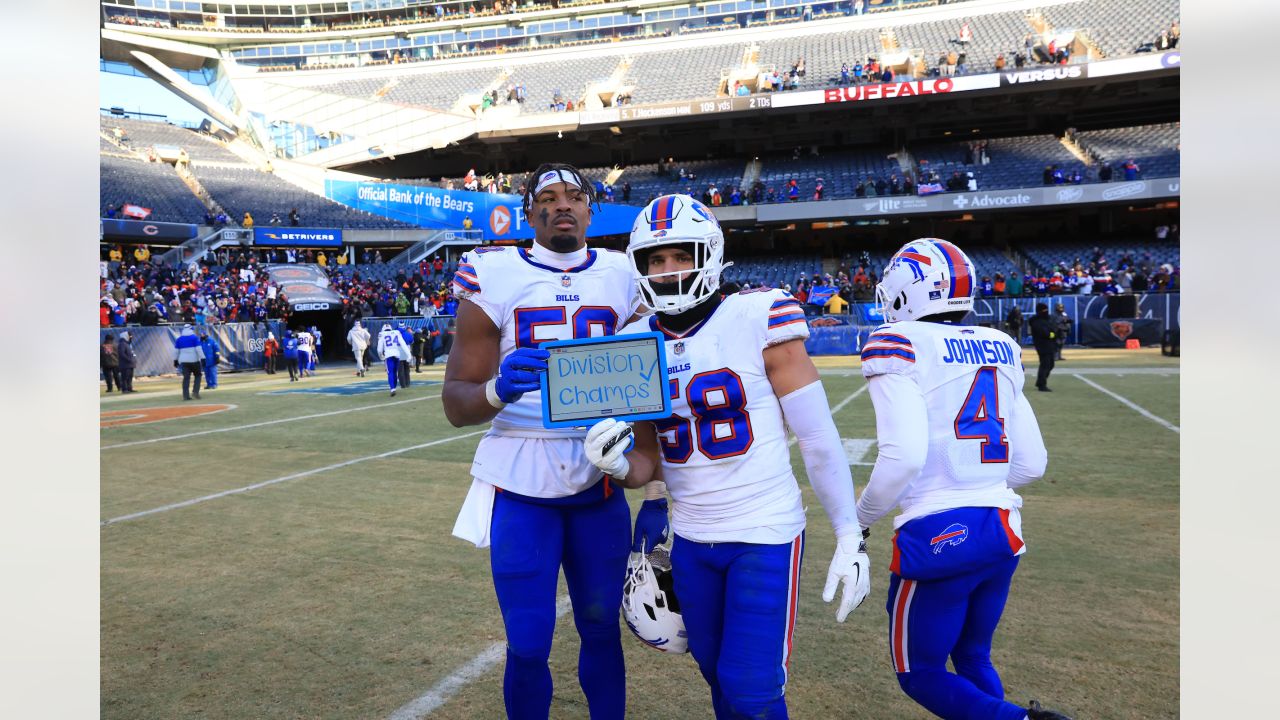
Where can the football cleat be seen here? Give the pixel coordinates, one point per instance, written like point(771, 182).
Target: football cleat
point(1035, 712)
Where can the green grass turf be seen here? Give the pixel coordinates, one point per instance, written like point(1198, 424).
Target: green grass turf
point(342, 594)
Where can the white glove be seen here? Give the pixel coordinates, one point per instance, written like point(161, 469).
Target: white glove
point(607, 443)
point(851, 565)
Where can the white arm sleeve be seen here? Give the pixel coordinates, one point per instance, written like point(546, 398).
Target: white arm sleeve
point(902, 434)
point(1029, 458)
point(807, 412)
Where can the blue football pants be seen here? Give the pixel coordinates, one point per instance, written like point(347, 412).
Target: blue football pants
point(391, 371)
point(738, 601)
point(955, 617)
point(530, 542)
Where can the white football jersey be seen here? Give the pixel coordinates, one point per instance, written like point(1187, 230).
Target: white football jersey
point(724, 449)
point(532, 303)
point(971, 379)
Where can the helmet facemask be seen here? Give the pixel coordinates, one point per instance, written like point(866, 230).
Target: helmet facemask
point(668, 292)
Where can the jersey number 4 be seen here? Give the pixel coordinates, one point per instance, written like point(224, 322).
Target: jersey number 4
point(979, 417)
point(720, 419)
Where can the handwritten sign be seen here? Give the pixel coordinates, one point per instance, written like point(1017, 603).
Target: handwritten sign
point(620, 376)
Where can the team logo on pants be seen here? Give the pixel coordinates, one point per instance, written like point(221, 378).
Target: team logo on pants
point(953, 535)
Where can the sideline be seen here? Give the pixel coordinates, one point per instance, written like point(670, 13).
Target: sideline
point(294, 476)
point(1129, 403)
point(265, 423)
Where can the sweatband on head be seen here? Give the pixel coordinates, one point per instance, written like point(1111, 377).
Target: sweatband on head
point(551, 177)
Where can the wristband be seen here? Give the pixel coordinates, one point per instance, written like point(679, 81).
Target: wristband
point(491, 393)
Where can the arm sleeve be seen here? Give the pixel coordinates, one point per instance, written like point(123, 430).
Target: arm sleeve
point(902, 432)
point(1029, 457)
point(807, 412)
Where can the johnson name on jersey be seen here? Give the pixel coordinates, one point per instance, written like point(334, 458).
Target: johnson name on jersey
point(971, 379)
point(532, 303)
point(724, 447)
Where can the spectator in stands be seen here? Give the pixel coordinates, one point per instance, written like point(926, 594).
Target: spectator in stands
point(793, 190)
point(998, 287)
point(986, 288)
point(819, 189)
point(949, 68)
point(116, 254)
point(1131, 170)
point(857, 72)
point(275, 219)
point(1104, 172)
point(1163, 42)
point(1019, 60)
point(1015, 285)
point(961, 59)
point(1175, 34)
point(859, 6)
point(1000, 62)
point(294, 217)
point(1058, 177)
point(247, 221)
point(844, 77)
point(467, 223)
point(626, 191)
point(966, 35)
point(887, 75)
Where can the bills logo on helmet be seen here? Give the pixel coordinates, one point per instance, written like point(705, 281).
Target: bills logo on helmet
point(913, 260)
point(954, 534)
point(660, 234)
point(702, 211)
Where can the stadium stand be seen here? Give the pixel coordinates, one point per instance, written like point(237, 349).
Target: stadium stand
point(241, 189)
point(1155, 148)
point(840, 172)
point(1116, 28)
point(1045, 256)
point(1015, 161)
point(140, 134)
point(151, 185)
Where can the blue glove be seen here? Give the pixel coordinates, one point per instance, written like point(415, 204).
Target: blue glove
point(518, 373)
point(651, 526)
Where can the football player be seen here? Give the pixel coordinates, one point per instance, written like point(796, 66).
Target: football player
point(956, 436)
point(737, 369)
point(393, 351)
point(555, 508)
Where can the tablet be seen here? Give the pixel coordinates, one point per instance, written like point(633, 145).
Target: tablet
point(618, 376)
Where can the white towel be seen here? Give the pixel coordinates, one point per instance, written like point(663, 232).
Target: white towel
point(476, 514)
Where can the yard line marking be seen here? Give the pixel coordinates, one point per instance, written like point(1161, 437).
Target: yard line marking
point(295, 476)
point(262, 424)
point(1131, 404)
point(437, 696)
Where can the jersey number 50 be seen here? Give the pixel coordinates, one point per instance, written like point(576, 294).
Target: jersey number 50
point(979, 417)
point(720, 419)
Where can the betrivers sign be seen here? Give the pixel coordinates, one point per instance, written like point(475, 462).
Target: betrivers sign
point(1058, 72)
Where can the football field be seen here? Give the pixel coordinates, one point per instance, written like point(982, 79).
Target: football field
point(287, 554)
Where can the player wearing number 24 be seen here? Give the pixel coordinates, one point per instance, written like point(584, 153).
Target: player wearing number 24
point(555, 508)
point(737, 369)
point(956, 435)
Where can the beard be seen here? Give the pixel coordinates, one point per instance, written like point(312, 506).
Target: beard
point(564, 243)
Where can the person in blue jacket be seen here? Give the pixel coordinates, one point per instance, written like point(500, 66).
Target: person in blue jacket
point(291, 354)
point(211, 358)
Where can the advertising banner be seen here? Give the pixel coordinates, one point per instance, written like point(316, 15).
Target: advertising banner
point(240, 345)
point(498, 216)
point(1114, 333)
point(306, 286)
point(137, 230)
point(309, 237)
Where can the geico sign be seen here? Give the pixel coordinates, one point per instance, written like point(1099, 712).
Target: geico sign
point(890, 90)
point(1062, 72)
point(311, 306)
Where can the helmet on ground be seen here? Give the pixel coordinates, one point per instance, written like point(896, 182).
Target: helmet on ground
point(649, 602)
point(926, 277)
point(678, 221)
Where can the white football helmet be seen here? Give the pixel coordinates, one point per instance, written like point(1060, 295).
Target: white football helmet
point(649, 602)
point(926, 277)
point(678, 220)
